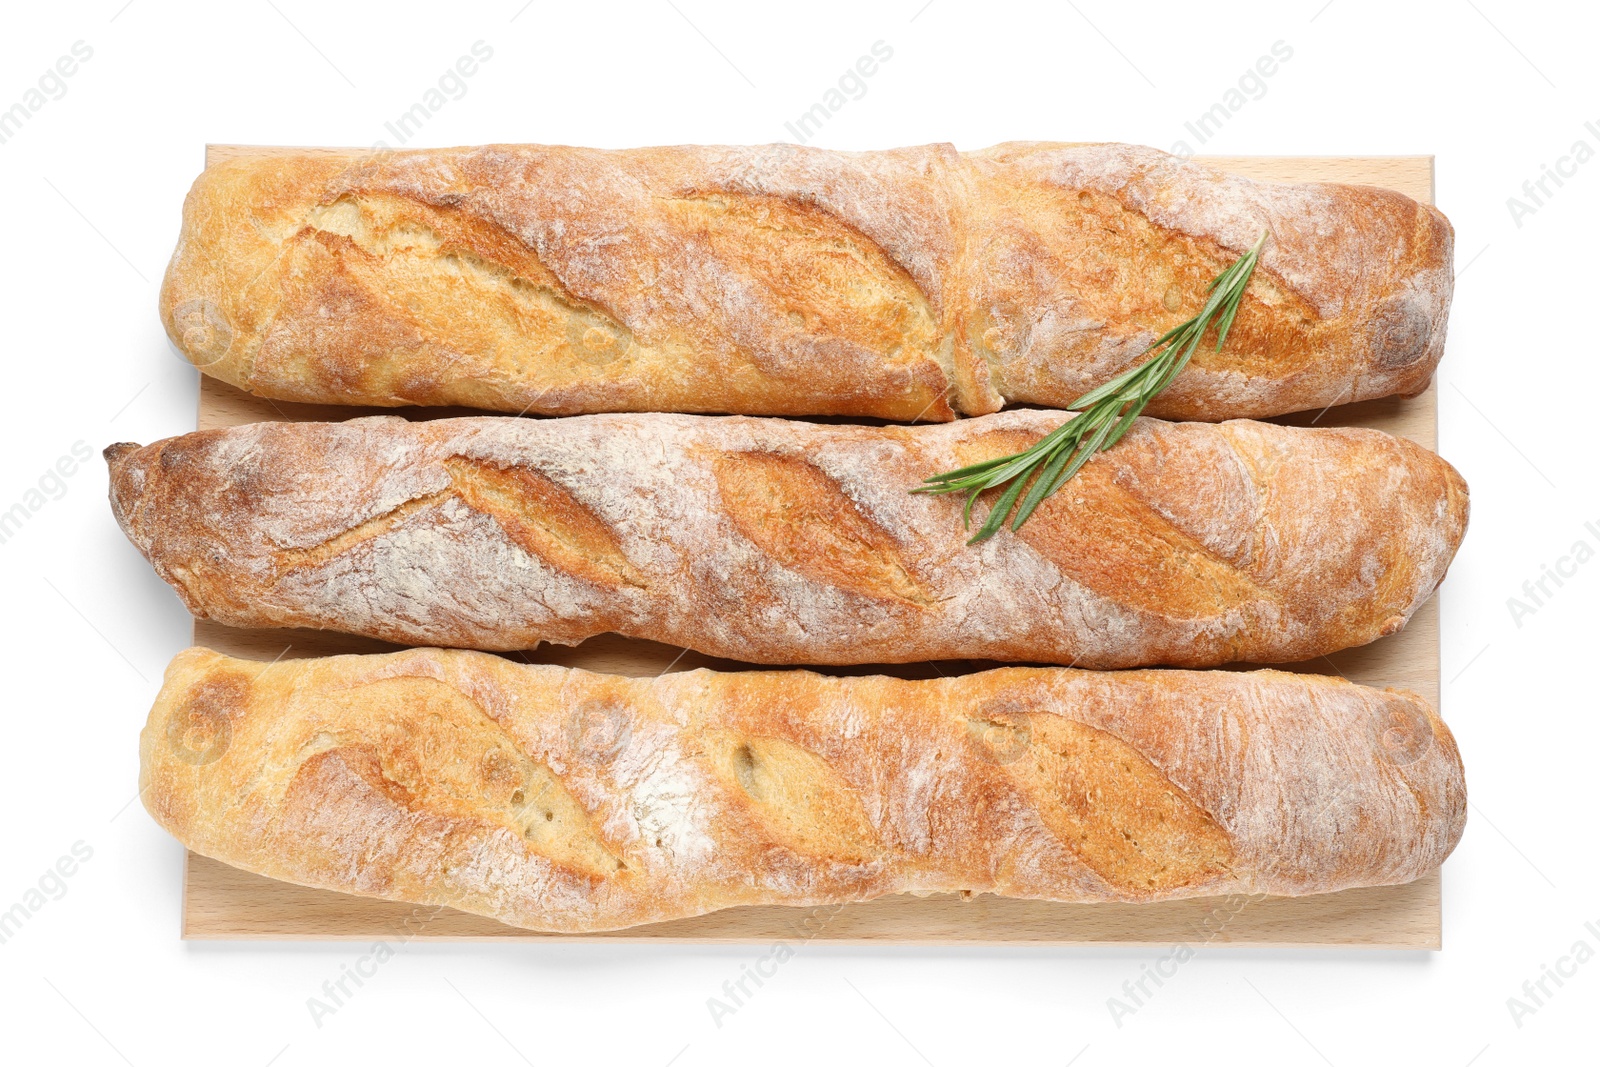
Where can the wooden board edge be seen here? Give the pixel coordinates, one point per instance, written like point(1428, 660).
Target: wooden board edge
point(186, 928)
point(1291, 168)
point(1411, 920)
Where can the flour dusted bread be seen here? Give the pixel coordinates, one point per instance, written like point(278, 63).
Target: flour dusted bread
point(556, 799)
point(916, 283)
point(770, 541)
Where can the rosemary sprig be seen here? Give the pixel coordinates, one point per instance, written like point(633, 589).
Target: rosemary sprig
point(1105, 413)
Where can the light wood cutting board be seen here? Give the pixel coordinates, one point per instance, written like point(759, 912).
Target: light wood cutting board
point(221, 902)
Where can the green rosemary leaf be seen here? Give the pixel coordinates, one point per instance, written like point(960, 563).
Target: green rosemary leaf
point(1045, 487)
point(1126, 424)
point(1047, 477)
point(1105, 413)
point(998, 513)
point(962, 472)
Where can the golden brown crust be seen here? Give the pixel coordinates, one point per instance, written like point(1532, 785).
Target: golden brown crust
point(915, 283)
point(772, 541)
point(557, 799)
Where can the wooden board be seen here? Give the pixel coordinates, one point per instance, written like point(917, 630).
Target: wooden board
point(221, 902)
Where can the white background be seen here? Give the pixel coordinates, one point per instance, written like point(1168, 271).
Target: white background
point(91, 191)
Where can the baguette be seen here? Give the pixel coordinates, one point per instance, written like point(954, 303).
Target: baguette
point(771, 541)
point(917, 283)
point(561, 800)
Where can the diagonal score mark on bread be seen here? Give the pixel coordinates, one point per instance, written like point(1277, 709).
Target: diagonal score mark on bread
point(292, 559)
point(544, 517)
point(430, 757)
point(1104, 800)
point(796, 798)
point(793, 511)
point(386, 288)
point(535, 512)
point(1107, 538)
point(1140, 280)
point(397, 297)
point(836, 287)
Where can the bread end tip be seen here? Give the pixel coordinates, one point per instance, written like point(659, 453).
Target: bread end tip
point(114, 453)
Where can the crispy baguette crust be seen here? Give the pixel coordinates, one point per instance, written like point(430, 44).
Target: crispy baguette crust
point(770, 541)
point(557, 799)
point(916, 283)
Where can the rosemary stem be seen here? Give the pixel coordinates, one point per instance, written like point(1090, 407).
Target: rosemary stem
point(1105, 413)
